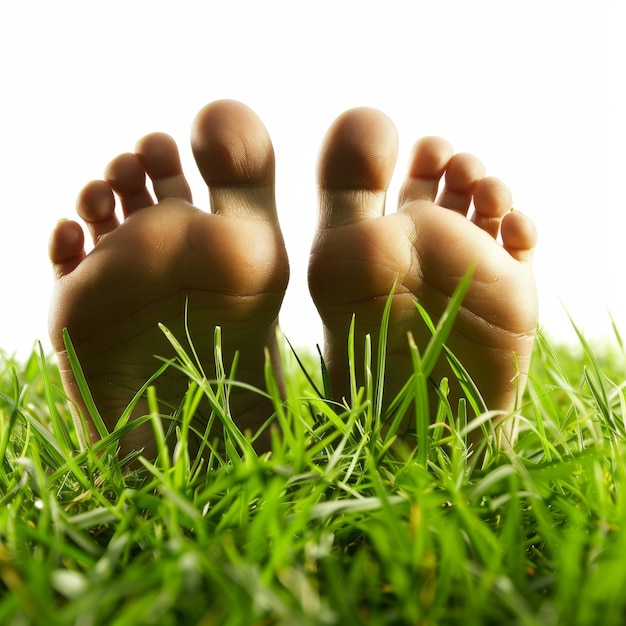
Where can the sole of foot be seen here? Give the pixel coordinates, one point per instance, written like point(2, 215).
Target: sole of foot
point(451, 217)
point(157, 259)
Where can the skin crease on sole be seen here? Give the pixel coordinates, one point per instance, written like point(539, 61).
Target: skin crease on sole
point(155, 253)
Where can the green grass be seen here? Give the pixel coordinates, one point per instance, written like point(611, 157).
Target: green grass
point(341, 524)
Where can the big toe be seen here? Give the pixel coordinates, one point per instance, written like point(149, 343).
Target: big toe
point(235, 156)
point(357, 159)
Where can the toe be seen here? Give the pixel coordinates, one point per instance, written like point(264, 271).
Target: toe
point(492, 200)
point(66, 247)
point(357, 159)
point(235, 156)
point(159, 156)
point(519, 236)
point(430, 158)
point(127, 177)
point(96, 205)
point(462, 174)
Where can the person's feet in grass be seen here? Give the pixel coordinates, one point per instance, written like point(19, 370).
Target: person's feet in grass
point(229, 268)
point(428, 246)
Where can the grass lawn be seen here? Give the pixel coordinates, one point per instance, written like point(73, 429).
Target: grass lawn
point(340, 524)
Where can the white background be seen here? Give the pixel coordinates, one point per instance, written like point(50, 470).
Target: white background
point(535, 88)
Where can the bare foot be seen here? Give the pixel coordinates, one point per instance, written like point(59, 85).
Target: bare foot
point(230, 265)
point(428, 246)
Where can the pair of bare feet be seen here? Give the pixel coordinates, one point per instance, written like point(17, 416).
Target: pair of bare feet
point(231, 269)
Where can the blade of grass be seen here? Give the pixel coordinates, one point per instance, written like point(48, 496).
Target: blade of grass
point(304, 370)
point(421, 402)
point(83, 387)
point(441, 331)
point(381, 356)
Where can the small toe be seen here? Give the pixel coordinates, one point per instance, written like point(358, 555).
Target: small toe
point(519, 236)
point(429, 160)
point(356, 163)
point(492, 200)
point(159, 156)
point(127, 177)
point(66, 247)
point(235, 156)
point(96, 205)
point(462, 174)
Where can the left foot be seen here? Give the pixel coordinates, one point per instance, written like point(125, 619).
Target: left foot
point(427, 246)
point(229, 266)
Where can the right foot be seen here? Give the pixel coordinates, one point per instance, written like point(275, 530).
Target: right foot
point(427, 246)
point(229, 266)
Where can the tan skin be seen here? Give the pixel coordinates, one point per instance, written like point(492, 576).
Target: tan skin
point(230, 264)
point(428, 245)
